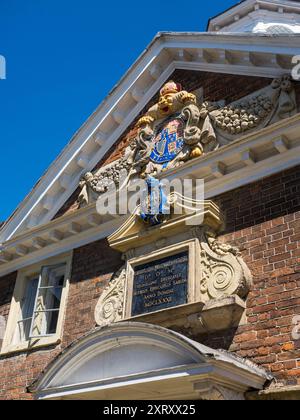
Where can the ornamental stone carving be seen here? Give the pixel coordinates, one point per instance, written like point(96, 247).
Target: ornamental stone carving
point(180, 127)
point(223, 271)
point(110, 306)
point(198, 283)
point(256, 111)
point(220, 393)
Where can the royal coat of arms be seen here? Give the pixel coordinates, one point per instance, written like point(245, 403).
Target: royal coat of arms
point(168, 141)
point(181, 126)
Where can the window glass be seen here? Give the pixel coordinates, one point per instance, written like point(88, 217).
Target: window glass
point(27, 306)
point(48, 300)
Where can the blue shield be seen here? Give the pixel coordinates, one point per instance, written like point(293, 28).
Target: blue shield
point(168, 141)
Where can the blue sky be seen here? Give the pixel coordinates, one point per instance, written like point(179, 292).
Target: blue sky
point(63, 57)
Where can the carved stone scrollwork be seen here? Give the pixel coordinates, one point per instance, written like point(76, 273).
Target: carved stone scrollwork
point(192, 132)
point(224, 272)
point(110, 306)
point(115, 175)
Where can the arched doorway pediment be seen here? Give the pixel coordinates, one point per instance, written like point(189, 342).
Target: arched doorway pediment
point(141, 361)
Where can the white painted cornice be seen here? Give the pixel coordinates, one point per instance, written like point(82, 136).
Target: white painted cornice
point(254, 55)
point(249, 15)
point(56, 237)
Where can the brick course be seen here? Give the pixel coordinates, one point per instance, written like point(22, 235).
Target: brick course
point(93, 268)
point(263, 220)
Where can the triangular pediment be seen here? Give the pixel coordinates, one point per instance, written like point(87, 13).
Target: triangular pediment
point(245, 56)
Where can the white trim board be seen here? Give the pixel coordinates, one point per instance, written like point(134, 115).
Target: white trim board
point(231, 18)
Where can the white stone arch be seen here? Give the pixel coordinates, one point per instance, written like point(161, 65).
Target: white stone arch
point(140, 361)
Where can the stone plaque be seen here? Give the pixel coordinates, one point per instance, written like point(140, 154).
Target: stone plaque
point(160, 284)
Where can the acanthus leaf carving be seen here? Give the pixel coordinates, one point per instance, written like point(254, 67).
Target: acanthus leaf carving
point(110, 306)
point(224, 272)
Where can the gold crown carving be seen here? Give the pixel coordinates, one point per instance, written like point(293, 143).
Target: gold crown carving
point(171, 87)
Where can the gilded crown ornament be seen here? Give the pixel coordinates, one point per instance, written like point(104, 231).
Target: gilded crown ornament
point(170, 87)
point(172, 99)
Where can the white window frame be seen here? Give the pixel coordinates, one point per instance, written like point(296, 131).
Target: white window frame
point(25, 302)
point(8, 345)
point(39, 288)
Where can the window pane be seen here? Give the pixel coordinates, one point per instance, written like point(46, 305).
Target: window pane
point(44, 323)
point(53, 276)
point(29, 298)
point(27, 306)
point(48, 301)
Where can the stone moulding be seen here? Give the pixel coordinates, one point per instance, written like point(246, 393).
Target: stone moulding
point(219, 280)
point(133, 232)
point(159, 362)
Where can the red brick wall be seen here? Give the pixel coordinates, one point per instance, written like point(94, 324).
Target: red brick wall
point(93, 267)
point(263, 219)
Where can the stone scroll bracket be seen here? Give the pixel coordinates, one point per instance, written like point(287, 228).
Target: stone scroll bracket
point(224, 273)
point(110, 306)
